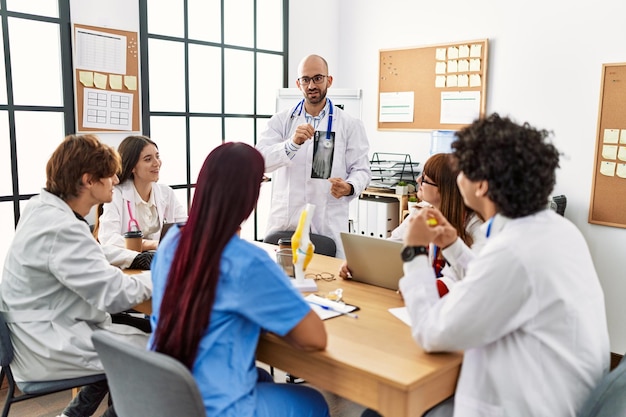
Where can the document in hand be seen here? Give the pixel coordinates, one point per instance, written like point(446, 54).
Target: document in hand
point(327, 309)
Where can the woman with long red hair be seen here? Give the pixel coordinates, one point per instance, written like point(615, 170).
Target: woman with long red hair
point(214, 293)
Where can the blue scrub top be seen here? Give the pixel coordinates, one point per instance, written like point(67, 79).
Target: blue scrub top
point(253, 293)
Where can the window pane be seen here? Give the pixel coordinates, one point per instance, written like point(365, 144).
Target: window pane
point(3, 80)
point(48, 8)
point(206, 135)
point(7, 228)
point(169, 135)
point(204, 18)
point(166, 17)
point(269, 80)
point(37, 135)
point(167, 75)
point(205, 79)
point(269, 23)
point(239, 81)
point(239, 22)
point(6, 183)
point(181, 196)
point(35, 62)
point(239, 129)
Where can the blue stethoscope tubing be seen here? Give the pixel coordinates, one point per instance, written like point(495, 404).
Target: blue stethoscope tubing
point(300, 106)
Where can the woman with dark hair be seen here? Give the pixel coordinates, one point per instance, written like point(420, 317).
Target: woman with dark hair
point(214, 293)
point(139, 202)
point(438, 188)
point(57, 286)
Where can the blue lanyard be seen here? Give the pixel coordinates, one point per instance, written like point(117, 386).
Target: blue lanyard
point(329, 128)
point(489, 224)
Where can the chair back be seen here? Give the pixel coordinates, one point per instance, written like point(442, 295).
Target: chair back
point(608, 399)
point(146, 383)
point(323, 244)
point(6, 347)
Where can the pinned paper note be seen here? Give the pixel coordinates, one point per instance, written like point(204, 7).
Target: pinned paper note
point(463, 80)
point(609, 152)
point(607, 168)
point(622, 137)
point(115, 81)
point(440, 54)
point(476, 50)
point(86, 78)
point(610, 135)
point(621, 170)
point(440, 68)
point(464, 51)
point(453, 52)
point(451, 81)
point(452, 65)
point(463, 65)
point(474, 65)
point(100, 80)
point(474, 80)
point(621, 154)
point(130, 81)
point(440, 81)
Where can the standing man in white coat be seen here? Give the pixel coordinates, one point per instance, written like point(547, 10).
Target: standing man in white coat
point(319, 155)
point(57, 285)
point(530, 312)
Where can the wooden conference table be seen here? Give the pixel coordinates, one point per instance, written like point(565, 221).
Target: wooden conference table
point(372, 360)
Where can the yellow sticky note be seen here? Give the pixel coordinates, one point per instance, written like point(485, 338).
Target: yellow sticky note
point(100, 80)
point(607, 168)
point(86, 78)
point(130, 81)
point(115, 81)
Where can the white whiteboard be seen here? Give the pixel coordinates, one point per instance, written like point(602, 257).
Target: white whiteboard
point(350, 99)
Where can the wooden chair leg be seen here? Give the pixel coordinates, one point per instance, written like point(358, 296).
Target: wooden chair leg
point(75, 392)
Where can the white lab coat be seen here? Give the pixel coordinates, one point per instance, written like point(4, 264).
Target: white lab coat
point(57, 288)
point(292, 185)
point(529, 314)
point(114, 220)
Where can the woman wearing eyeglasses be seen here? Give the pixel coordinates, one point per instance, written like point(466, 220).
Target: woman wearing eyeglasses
point(214, 293)
point(437, 187)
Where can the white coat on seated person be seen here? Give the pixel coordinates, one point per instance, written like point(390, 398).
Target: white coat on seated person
point(115, 217)
point(57, 288)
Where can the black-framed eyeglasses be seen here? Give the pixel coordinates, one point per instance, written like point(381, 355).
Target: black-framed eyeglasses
point(422, 180)
point(317, 79)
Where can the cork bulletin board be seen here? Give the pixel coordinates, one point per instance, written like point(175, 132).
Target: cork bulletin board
point(608, 193)
point(106, 79)
point(437, 87)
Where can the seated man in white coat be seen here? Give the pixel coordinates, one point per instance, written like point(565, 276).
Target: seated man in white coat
point(57, 285)
point(530, 312)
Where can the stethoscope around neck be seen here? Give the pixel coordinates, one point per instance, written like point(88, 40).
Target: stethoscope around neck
point(300, 106)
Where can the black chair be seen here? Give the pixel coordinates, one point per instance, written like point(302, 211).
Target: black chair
point(31, 389)
point(608, 399)
point(323, 244)
point(147, 383)
point(558, 204)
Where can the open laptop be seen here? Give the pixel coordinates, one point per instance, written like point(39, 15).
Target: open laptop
point(167, 226)
point(373, 260)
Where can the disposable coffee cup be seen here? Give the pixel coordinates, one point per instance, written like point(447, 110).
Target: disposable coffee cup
point(133, 240)
point(284, 257)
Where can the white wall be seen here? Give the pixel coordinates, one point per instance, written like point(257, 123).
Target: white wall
point(545, 67)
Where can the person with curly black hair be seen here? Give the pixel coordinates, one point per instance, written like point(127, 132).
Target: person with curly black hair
point(530, 312)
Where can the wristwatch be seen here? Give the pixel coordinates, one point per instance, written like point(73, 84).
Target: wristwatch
point(410, 252)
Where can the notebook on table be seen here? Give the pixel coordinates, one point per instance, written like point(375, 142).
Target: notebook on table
point(373, 260)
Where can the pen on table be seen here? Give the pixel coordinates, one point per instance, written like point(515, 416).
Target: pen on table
point(329, 308)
